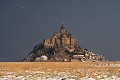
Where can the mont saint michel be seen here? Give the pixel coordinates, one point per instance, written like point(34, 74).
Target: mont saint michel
point(61, 47)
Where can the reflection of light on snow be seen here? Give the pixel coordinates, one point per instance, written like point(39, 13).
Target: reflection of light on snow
point(59, 78)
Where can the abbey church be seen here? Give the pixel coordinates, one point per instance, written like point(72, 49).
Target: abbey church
point(63, 38)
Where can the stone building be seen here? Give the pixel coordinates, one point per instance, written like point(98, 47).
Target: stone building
point(62, 38)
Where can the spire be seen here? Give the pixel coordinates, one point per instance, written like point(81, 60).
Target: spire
point(62, 26)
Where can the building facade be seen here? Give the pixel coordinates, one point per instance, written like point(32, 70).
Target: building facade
point(62, 38)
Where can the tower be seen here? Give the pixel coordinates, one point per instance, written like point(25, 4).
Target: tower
point(62, 29)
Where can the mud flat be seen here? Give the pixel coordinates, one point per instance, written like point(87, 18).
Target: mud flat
point(59, 70)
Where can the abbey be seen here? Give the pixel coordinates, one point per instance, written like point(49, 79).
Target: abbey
point(62, 46)
point(63, 39)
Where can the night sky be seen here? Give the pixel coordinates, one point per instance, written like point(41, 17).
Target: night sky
point(25, 23)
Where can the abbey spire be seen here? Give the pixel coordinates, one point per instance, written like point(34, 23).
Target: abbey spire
point(62, 29)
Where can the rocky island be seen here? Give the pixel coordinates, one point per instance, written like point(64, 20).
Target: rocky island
point(61, 47)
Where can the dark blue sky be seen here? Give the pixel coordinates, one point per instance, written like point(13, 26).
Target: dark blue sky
point(25, 23)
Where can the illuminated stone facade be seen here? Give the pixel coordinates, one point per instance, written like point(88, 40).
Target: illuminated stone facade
point(63, 39)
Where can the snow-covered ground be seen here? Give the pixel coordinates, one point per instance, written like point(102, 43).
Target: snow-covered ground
point(38, 75)
point(100, 72)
